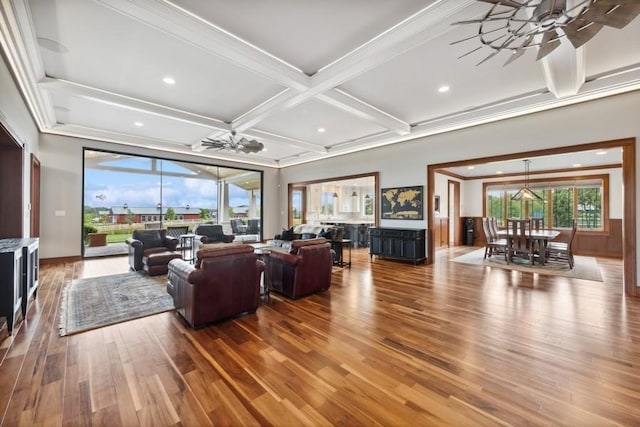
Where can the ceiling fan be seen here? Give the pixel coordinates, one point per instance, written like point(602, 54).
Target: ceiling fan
point(242, 145)
point(518, 25)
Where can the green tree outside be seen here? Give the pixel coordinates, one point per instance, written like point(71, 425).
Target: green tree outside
point(171, 214)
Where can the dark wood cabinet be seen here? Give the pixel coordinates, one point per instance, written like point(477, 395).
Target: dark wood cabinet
point(405, 244)
point(19, 264)
point(11, 291)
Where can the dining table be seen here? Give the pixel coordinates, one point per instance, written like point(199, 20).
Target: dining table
point(541, 237)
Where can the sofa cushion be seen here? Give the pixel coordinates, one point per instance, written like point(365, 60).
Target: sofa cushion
point(149, 238)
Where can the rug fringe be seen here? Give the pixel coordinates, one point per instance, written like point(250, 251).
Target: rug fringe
point(62, 326)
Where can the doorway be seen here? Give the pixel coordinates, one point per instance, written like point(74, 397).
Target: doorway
point(628, 146)
point(455, 232)
point(35, 197)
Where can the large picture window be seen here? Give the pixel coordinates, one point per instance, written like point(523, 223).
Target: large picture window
point(561, 200)
point(123, 192)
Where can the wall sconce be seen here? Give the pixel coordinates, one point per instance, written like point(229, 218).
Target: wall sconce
point(335, 195)
point(354, 194)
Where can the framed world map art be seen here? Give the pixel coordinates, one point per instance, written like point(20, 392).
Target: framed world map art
point(402, 202)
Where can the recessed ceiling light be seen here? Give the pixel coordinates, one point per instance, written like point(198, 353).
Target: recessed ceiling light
point(139, 124)
point(321, 130)
point(443, 89)
point(498, 172)
point(471, 167)
point(169, 80)
point(601, 153)
point(576, 165)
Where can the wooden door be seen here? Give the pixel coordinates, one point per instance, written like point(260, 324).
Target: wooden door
point(35, 196)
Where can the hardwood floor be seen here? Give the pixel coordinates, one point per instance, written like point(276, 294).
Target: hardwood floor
point(388, 344)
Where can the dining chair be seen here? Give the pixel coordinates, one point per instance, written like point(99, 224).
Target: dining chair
point(563, 251)
point(537, 223)
point(520, 242)
point(494, 244)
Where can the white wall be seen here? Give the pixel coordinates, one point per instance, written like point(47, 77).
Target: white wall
point(404, 164)
point(16, 117)
point(62, 167)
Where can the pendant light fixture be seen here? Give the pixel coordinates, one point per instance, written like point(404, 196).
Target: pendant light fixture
point(525, 192)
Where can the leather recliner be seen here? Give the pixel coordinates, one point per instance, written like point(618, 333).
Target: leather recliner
point(210, 233)
point(305, 269)
point(144, 243)
point(224, 282)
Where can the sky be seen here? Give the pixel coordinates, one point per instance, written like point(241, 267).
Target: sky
point(108, 189)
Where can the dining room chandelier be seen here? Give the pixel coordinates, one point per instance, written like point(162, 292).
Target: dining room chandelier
point(525, 192)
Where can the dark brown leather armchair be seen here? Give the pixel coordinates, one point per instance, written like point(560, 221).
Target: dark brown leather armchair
point(211, 233)
point(224, 282)
point(147, 242)
point(305, 269)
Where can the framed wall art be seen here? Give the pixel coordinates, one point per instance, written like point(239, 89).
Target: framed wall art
point(402, 202)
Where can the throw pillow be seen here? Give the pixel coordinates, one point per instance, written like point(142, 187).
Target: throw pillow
point(288, 235)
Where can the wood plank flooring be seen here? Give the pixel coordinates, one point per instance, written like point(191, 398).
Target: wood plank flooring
point(388, 344)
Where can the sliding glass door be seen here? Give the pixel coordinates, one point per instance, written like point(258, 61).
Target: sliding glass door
point(124, 192)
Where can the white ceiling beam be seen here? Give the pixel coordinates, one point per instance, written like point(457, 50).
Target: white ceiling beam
point(183, 25)
point(283, 140)
point(172, 19)
point(353, 105)
point(74, 89)
point(425, 25)
point(155, 144)
point(19, 43)
point(429, 23)
point(564, 69)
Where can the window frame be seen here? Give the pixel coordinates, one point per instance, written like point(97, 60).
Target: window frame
point(486, 186)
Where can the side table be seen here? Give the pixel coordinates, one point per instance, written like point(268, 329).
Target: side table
point(263, 252)
point(339, 247)
point(187, 246)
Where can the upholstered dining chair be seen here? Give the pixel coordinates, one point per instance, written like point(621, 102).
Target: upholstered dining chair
point(563, 251)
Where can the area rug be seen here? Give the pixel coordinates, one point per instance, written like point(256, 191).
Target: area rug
point(584, 268)
point(101, 301)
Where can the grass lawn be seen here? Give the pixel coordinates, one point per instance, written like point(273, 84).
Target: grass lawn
point(117, 238)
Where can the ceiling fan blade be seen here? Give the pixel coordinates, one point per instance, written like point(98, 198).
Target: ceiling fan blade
point(519, 51)
point(252, 146)
point(516, 54)
point(488, 57)
point(549, 44)
point(509, 3)
point(613, 13)
point(579, 32)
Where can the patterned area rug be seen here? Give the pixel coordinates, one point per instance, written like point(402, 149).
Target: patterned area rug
point(101, 301)
point(585, 267)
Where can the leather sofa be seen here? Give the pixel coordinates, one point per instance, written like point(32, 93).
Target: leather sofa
point(297, 232)
point(303, 270)
point(151, 250)
point(224, 282)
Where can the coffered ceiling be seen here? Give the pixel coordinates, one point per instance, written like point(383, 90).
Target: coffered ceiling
point(307, 79)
